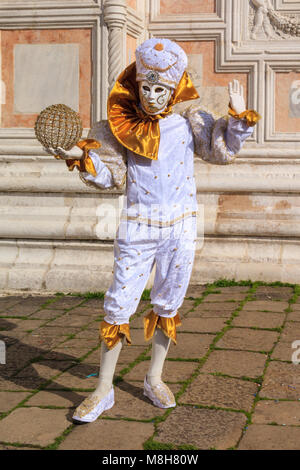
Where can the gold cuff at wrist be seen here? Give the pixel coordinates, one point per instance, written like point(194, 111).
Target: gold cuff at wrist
point(85, 163)
point(251, 116)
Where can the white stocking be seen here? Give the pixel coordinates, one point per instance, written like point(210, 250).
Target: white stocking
point(160, 347)
point(108, 362)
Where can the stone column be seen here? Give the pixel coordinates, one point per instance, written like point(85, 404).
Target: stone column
point(115, 14)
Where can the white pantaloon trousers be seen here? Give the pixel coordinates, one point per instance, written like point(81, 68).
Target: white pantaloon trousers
point(137, 248)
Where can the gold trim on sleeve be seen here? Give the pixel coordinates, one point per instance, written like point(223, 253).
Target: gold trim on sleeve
point(85, 163)
point(251, 116)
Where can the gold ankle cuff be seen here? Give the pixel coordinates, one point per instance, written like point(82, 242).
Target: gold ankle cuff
point(167, 325)
point(112, 334)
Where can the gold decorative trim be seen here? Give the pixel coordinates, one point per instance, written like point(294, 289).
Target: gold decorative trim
point(157, 69)
point(123, 180)
point(252, 117)
point(166, 324)
point(87, 406)
point(134, 129)
point(112, 334)
point(91, 184)
point(158, 222)
point(143, 76)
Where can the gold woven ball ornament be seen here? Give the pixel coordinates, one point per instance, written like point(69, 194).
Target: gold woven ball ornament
point(58, 126)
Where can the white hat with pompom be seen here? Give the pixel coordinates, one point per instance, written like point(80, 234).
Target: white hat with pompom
point(160, 61)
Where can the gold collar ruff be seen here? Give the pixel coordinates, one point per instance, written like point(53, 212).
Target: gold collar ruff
point(136, 130)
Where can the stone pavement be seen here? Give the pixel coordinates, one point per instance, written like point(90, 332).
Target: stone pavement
point(232, 372)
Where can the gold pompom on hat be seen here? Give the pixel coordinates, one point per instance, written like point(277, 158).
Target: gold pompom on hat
point(160, 61)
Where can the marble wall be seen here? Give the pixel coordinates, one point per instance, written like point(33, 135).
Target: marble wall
point(34, 60)
point(52, 236)
point(287, 102)
point(211, 86)
point(36, 68)
point(132, 3)
point(169, 7)
point(131, 45)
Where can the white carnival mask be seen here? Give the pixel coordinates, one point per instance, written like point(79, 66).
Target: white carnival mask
point(154, 97)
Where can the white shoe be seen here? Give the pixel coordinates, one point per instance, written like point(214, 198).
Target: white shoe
point(89, 410)
point(159, 394)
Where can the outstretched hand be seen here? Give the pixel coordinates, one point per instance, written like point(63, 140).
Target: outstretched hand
point(236, 96)
point(74, 153)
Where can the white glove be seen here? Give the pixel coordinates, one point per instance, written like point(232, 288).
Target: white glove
point(74, 153)
point(236, 95)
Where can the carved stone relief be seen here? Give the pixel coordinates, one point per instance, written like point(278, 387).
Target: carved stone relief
point(267, 23)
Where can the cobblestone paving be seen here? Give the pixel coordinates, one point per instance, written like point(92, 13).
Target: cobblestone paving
point(232, 372)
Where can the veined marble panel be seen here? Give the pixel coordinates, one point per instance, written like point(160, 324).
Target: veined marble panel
point(251, 214)
point(169, 7)
point(214, 85)
point(294, 104)
point(33, 73)
point(131, 45)
point(214, 99)
point(287, 102)
point(195, 69)
point(45, 74)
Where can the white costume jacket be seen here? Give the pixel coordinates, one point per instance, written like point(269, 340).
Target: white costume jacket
point(160, 199)
point(162, 192)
